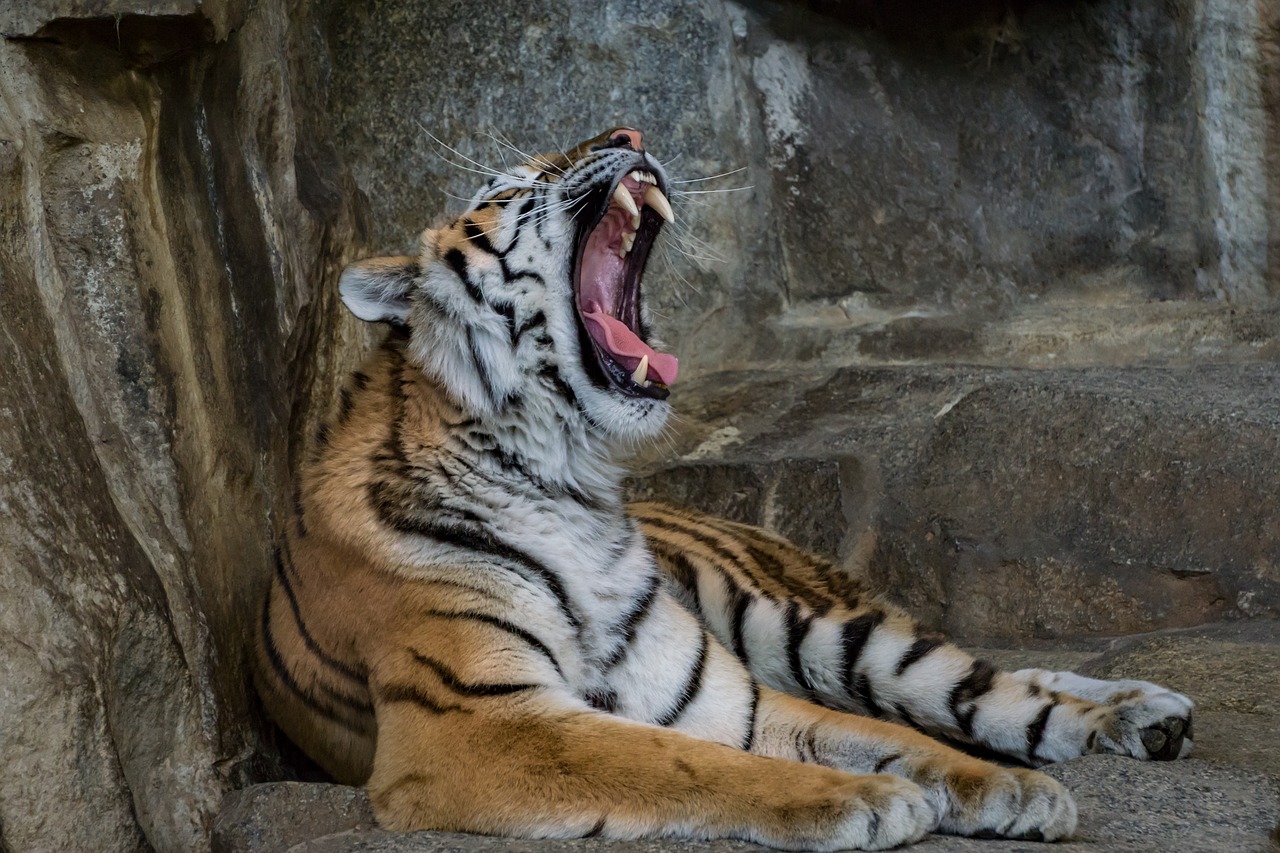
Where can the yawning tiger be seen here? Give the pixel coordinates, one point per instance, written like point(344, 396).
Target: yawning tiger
point(467, 618)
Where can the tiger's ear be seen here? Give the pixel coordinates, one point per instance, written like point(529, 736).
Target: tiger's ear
point(378, 289)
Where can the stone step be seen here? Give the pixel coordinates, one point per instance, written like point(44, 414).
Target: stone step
point(999, 502)
point(1225, 798)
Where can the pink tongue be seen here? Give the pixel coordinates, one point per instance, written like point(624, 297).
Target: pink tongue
point(626, 348)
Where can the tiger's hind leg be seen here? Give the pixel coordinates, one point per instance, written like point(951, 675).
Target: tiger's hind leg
point(805, 629)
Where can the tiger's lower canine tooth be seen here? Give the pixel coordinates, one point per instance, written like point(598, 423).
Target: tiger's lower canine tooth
point(642, 370)
point(655, 199)
point(623, 199)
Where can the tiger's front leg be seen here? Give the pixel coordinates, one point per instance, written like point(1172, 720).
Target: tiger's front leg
point(674, 674)
point(490, 740)
point(973, 797)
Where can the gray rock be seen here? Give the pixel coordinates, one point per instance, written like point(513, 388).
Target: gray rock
point(275, 817)
point(1055, 184)
point(170, 227)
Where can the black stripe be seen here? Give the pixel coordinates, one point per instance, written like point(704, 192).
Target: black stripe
point(502, 625)
point(300, 521)
point(596, 830)
point(969, 689)
point(1035, 729)
point(632, 622)
point(918, 650)
point(691, 686)
point(360, 379)
point(344, 405)
point(477, 237)
point(322, 436)
point(482, 370)
point(281, 670)
point(863, 694)
point(516, 275)
point(407, 693)
point(458, 262)
point(716, 548)
point(905, 716)
point(755, 541)
point(738, 616)
point(662, 523)
point(451, 680)
point(819, 602)
point(682, 571)
point(603, 700)
point(750, 739)
point(552, 373)
point(508, 312)
point(520, 214)
point(797, 630)
point(853, 639)
point(533, 322)
point(886, 761)
point(354, 672)
point(386, 792)
point(473, 540)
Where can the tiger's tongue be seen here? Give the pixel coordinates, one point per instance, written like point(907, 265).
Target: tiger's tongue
point(600, 280)
point(626, 348)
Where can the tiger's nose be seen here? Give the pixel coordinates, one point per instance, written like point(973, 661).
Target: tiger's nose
point(626, 137)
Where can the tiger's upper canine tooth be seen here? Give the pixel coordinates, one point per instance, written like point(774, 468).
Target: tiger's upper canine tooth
point(642, 370)
point(655, 199)
point(623, 199)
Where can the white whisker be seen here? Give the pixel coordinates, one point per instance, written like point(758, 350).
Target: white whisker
point(710, 192)
point(711, 177)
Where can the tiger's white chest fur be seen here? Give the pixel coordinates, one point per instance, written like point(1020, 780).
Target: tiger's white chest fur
point(576, 562)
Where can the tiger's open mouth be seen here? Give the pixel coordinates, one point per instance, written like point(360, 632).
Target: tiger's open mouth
point(613, 247)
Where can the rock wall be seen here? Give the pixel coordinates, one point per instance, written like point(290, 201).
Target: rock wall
point(976, 185)
point(171, 222)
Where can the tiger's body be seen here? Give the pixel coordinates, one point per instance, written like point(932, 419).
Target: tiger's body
point(467, 618)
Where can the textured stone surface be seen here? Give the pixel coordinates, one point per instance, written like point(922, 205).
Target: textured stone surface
point(274, 817)
point(167, 213)
point(1014, 182)
point(997, 502)
point(31, 17)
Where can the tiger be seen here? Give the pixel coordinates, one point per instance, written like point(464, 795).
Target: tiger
point(467, 617)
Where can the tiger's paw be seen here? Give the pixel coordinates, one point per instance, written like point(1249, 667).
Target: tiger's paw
point(1153, 724)
point(878, 813)
point(1132, 718)
point(1008, 803)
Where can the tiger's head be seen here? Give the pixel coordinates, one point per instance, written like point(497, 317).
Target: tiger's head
point(529, 305)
